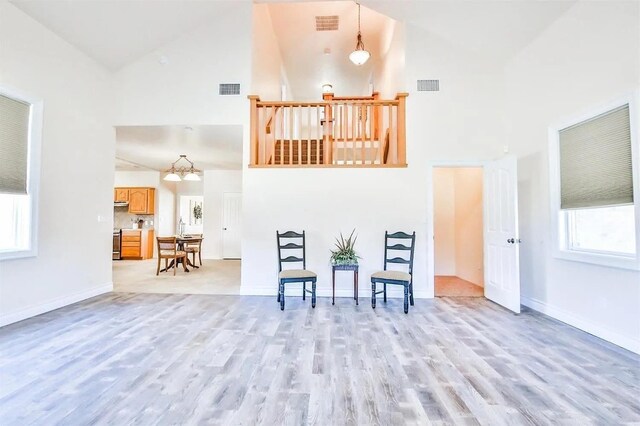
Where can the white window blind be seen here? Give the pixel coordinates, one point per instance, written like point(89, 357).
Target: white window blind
point(14, 144)
point(595, 162)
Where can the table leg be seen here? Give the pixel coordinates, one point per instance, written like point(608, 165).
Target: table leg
point(355, 284)
point(333, 285)
point(168, 267)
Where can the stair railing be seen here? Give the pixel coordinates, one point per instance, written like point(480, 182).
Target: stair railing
point(336, 132)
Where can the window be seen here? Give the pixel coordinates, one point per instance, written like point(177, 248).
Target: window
point(20, 132)
point(594, 187)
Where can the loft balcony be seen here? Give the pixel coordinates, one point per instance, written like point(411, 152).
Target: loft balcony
point(336, 132)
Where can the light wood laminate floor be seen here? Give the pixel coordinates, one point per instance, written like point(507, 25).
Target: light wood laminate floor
point(151, 359)
point(213, 277)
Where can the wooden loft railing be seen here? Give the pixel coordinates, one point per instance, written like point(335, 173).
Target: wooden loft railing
point(336, 132)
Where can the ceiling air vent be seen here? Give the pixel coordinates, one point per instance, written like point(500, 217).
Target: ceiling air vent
point(327, 23)
point(229, 89)
point(428, 85)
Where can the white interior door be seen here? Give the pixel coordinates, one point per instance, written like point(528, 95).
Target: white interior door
point(231, 225)
point(502, 253)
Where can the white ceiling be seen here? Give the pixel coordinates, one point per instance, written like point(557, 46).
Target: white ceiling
point(302, 47)
point(117, 32)
point(156, 147)
point(494, 29)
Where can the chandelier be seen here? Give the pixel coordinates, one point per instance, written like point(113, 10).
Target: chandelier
point(176, 174)
point(359, 56)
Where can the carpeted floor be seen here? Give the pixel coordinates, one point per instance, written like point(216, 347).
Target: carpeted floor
point(213, 277)
point(452, 286)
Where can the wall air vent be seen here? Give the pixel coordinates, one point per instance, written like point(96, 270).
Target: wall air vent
point(227, 89)
point(327, 23)
point(428, 85)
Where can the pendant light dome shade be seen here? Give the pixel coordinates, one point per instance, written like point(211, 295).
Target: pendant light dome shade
point(172, 177)
point(359, 56)
point(177, 174)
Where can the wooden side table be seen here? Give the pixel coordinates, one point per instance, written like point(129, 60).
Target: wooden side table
point(353, 268)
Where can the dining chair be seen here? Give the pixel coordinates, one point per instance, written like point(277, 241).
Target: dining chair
point(395, 277)
point(193, 248)
point(168, 249)
point(293, 242)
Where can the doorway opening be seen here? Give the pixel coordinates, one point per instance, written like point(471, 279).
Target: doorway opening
point(458, 231)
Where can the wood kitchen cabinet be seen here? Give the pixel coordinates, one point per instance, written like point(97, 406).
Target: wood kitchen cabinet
point(137, 243)
point(141, 200)
point(120, 195)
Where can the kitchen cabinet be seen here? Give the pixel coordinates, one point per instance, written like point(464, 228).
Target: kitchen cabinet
point(120, 195)
point(138, 202)
point(137, 243)
point(141, 200)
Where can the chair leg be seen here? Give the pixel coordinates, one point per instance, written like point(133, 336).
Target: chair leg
point(175, 266)
point(373, 294)
point(304, 291)
point(278, 291)
point(281, 296)
point(406, 298)
point(158, 270)
point(411, 293)
point(313, 294)
point(184, 263)
point(385, 292)
point(200, 257)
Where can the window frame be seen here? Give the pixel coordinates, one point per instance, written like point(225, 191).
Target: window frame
point(560, 219)
point(34, 148)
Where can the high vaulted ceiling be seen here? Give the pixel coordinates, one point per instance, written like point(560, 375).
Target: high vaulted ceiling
point(117, 32)
point(495, 29)
point(156, 147)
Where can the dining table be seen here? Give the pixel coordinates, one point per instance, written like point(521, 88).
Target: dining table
point(181, 241)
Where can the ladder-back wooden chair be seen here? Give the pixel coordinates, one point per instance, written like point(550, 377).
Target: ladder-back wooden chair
point(168, 250)
point(293, 242)
point(194, 247)
point(404, 279)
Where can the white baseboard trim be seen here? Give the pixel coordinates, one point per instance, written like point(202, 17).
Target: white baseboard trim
point(395, 293)
point(626, 342)
point(59, 302)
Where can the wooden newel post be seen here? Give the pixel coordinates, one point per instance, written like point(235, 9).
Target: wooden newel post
point(327, 129)
point(402, 128)
point(253, 130)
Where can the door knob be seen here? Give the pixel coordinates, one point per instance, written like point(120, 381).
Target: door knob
point(511, 241)
point(224, 229)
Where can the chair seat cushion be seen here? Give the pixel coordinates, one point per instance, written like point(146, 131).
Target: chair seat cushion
point(392, 275)
point(172, 253)
point(297, 273)
point(192, 249)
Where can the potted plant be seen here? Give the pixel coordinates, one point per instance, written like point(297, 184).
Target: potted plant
point(345, 253)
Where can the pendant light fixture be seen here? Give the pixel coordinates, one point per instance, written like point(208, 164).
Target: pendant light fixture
point(177, 174)
point(360, 55)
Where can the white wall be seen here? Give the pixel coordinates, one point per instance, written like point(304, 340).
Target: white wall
point(389, 72)
point(586, 58)
point(185, 90)
point(462, 121)
point(78, 155)
point(444, 223)
point(268, 73)
point(469, 229)
point(165, 207)
point(216, 183)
